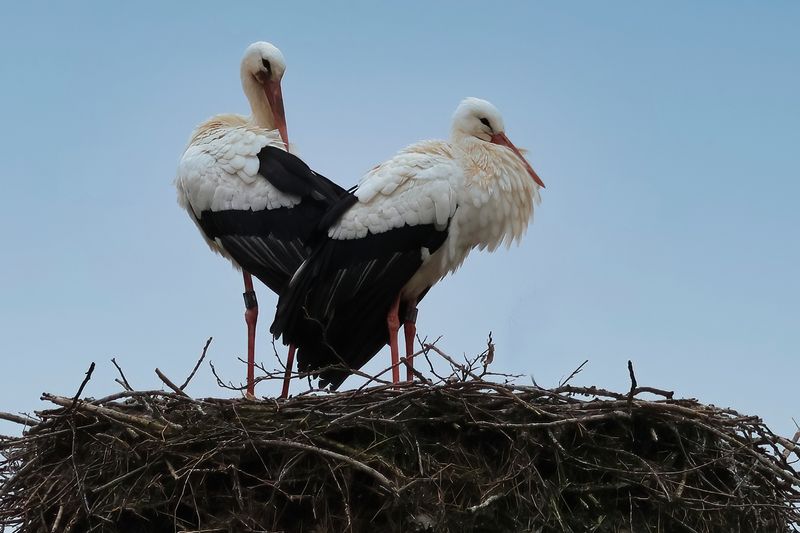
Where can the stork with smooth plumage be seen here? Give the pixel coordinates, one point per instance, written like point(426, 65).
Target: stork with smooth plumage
point(255, 203)
point(412, 220)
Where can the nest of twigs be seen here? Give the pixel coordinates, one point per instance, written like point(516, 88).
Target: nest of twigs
point(462, 454)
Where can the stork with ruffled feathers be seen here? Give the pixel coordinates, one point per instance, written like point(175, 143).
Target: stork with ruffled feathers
point(255, 203)
point(411, 221)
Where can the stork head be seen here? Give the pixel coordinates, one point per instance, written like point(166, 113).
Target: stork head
point(480, 119)
point(262, 70)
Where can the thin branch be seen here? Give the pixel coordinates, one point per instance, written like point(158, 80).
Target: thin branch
point(19, 419)
point(168, 382)
point(199, 362)
point(574, 373)
point(83, 384)
point(139, 421)
point(632, 392)
point(383, 480)
point(123, 381)
point(791, 446)
point(450, 360)
point(417, 374)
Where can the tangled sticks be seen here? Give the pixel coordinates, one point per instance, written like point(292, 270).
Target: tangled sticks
point(463, 454)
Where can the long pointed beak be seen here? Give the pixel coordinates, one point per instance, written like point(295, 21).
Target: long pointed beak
point(502, 140)
point(275, 99)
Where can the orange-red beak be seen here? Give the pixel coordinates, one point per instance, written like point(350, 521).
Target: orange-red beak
point(275, 99)
point(502, 140)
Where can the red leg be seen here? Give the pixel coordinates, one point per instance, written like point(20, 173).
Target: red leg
point(250, 317)
point(393, 321)
point(288, 376)
point(410, 329)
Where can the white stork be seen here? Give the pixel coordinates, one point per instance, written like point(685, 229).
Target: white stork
point(412, 220)
point(254, 203)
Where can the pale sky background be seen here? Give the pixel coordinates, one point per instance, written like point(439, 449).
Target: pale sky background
point(667, 134)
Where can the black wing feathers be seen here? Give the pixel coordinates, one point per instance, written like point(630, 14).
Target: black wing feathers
point(335, 310)
point(272, 243)
point(289, 174)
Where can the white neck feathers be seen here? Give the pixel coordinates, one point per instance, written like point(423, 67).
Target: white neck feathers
point(259, 105)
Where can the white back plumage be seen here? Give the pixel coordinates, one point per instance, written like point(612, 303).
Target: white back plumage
point(416, 186)
point(482, 189)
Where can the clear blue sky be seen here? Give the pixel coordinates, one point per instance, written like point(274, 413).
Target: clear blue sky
point(667, 135)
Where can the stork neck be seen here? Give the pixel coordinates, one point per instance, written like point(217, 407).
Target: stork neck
point(259, 105)
point(467, 141)
point(457, 136)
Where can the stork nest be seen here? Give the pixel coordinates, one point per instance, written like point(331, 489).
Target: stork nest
point(463, 454)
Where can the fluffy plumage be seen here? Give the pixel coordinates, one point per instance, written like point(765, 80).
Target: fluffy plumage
point(416, 218)
point(254, 203)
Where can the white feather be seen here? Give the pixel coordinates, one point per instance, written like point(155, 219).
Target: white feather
point(417, 186)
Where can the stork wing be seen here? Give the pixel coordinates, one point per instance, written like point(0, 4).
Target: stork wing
point(255, 201)
point(336, 305)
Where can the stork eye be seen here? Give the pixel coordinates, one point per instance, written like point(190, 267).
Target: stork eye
point(266, 64)
point(485, 122)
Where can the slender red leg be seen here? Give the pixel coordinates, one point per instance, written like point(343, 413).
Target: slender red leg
point(250, 317)
point(410, 329)
point(393, 321)
point(288, 376)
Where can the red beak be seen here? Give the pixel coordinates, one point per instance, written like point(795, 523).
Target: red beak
point(275, 99)
point(502, 140)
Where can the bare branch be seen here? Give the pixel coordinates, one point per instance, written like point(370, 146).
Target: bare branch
point(83, 384)
point(168, 382)
point(199, 362)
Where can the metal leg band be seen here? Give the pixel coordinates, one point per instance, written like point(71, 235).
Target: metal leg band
point(250, 301)
point(411, 315)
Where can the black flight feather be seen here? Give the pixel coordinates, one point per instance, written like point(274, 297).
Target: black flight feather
point(272, 243)
point(335, 309)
